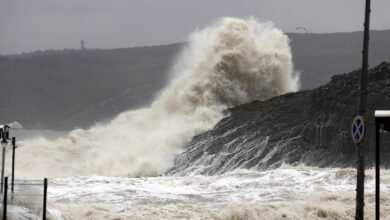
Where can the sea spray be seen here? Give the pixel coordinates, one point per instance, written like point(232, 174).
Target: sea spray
point(229, 63)
point(288, 192)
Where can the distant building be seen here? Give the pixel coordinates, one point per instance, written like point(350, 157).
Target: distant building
point(82, 45)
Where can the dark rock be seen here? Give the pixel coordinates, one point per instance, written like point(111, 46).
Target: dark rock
point(308, 127)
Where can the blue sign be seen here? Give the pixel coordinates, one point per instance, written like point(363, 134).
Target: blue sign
point(357, 129)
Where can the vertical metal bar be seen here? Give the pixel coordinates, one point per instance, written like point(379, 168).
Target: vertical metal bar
point(364, 75)
point(363, 112)
point(377, 168)
point(2, 169)
point(44, 198)
point(13, 163)
point(5, 198)
point(360, 184)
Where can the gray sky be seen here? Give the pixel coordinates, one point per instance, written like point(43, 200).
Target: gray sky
point(28, 25)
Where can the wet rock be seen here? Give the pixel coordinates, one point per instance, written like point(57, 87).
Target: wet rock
point(308, 127)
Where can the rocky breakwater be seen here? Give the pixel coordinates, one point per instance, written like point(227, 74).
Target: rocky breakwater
point(308, 127)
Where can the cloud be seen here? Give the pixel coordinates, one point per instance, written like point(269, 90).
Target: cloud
point(54, 24)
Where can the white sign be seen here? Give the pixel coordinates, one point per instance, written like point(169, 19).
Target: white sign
point(357, 129)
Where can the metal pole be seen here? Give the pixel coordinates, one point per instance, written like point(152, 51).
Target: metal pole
point(377, 168)
point(360, 184)
point(2, 169)
point(13, 163)
point(364, 73)
point(44, 198)
point(5, 199)
point(362, 111)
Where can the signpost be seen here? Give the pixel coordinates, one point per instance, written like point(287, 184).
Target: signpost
point(362, 110)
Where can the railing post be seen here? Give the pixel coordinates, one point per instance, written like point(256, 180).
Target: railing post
point(377, 167)
point(13, 163)
point(2, 167)
point(5, 198)
point(44, 198)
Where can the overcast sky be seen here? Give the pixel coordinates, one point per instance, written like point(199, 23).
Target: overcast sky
point(28, 25)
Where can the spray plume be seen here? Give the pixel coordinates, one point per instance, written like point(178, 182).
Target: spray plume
point(229, 63)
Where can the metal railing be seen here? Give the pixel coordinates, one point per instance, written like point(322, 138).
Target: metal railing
point(28, 196)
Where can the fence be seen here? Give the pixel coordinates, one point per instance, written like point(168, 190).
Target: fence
point(27, 200)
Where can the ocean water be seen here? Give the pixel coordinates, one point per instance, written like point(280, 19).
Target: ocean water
point(285, 193)
point(289, 192)
point(116, 170)
point(231, 62)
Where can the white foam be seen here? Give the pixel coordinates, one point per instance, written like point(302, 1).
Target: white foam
point(231, 62)
point(296, 192)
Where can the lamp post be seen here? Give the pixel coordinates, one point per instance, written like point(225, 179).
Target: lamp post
point(4, 144)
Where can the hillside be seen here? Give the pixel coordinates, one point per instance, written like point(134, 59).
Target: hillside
point(320, 56)
point(309, 127)
point(65, 89)
point(76, 88)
